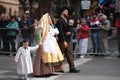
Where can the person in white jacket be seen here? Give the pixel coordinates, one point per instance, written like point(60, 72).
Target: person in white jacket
point(23, 59)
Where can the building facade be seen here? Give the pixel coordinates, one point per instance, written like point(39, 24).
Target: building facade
point(12, 6)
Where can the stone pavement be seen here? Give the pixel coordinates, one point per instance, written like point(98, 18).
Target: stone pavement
point(92, 68)
point(96, 69)
point(8, 69)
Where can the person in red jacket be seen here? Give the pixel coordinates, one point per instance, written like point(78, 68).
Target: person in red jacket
point(82, 36)
point(117, 25)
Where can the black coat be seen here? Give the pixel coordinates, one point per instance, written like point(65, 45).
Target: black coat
point(63, 27)
point(3, 24)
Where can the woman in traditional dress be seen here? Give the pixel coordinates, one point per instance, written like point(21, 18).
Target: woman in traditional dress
point(48, 58)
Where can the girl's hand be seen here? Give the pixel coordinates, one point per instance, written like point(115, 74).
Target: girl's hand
point(80, 26)
point(15, 62)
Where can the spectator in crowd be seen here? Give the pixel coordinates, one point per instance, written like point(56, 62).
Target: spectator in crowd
point(73, 30)
point(75, 45)
point(64, 38)
point(117, 25)
point(37, 32)
point(31, 23)
point(3, 23)
point(82, 36)
point(30, 19)
point(55, 22)
point(110, 18)
point(26, 23)
point(94, 34)
point(1, 20)
point(25, 30)
point(103, 32)
point(12, 29)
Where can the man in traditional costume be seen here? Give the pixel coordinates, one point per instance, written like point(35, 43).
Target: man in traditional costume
point(64, 38)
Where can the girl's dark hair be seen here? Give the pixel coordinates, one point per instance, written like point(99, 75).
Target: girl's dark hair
point(25, 40)
point(12, 17)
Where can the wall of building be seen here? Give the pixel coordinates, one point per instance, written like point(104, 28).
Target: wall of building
point(10, 4)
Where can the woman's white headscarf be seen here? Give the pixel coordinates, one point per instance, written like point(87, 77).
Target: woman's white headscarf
point(44, 23)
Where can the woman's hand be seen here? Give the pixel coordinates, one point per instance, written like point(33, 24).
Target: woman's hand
point(40, 43)
point(25, 27)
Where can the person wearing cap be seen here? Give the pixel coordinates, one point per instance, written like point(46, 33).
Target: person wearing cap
point(30, 19)
point(30, 22)
point(23, 59)
point(64, 38)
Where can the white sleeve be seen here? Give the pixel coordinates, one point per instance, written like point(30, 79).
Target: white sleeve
point(91, 23)
point(17, 55)
point(34, 48)
point(56, 31)
point(97, 22)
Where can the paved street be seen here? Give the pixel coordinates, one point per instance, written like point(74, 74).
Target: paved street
point(92, 68)
point(96, 69)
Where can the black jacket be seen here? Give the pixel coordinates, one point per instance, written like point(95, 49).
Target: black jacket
point(63, 27)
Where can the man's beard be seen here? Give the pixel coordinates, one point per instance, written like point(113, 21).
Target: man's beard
point(66, 15)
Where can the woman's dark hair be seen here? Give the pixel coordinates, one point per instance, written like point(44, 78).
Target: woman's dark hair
point(12, 17)
point(76, 19)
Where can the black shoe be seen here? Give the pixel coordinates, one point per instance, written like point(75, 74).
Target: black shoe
point(96, 55)
point(3, 50)
point(74, 70)
point(14, 54)
point(60, 71)
point(7, 54)
point(118, 56)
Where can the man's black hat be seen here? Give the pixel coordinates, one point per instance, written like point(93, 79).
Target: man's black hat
point(64, 8)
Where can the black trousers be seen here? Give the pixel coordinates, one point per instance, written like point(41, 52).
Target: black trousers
point(4, 39)
point(11, 41)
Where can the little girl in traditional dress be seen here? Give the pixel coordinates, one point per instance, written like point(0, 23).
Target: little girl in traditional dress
point(23, 60)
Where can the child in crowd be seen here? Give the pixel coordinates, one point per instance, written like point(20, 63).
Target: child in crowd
point(82, 36)
point(23, 60)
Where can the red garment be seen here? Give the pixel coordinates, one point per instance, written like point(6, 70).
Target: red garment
point(117, 25)
point(94, 20)
point(82, 33)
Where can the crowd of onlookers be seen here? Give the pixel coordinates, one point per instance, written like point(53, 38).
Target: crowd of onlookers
point(98, 27)
point(10, 27)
